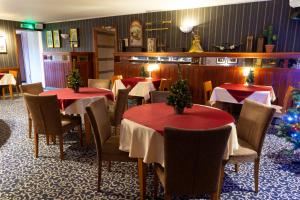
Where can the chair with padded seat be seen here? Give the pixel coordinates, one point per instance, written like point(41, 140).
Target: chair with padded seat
point(192, 164)
point(99, 83)
point(48, 120)
point(159, 96)
point(107, 145)
point(286, 102)
point(35, 89)
point(117, 110)
point(252, 125)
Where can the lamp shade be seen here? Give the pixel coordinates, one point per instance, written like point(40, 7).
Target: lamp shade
point(186, 29)
point(152, 67)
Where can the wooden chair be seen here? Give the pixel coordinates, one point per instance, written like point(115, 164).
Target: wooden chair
point(286, 102)
point(251, 129)
point(192, 163)
point(165, 84)
point(99, 83)
point(107, 145)
point(47, 119)
point(117, 110)
point(114, 78)
point(207, 88)
point(10, 87)
point(159, 96)
point(35, 89)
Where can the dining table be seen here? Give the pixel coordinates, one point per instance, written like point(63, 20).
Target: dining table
point(140, 86)
point(7, 79)
point(237, 93)
point(142, 131)
point(71, 102)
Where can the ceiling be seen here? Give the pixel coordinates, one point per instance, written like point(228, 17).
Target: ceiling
point(48, 11)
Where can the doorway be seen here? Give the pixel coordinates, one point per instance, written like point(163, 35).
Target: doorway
point(30, 56)
point(104, 46)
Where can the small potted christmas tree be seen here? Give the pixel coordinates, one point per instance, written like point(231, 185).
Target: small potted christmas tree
point(74, 79)
point(250, 78)
point(180, 96)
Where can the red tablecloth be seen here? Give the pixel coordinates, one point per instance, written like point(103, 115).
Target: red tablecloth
point(134, 80)
point(1, 75)
point(241, 92)
point(159, 115)
point(67, 96)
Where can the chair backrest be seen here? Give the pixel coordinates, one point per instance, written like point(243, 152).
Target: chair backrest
point(159, 96)
point(193, 159)
point(99, 83)
point(121, 104)
point(34, 88)
point(114, 78)
point(253, 123)
point(99, 118)
point(165, 84)
point(14, 73)
point(287, 99)
point(45, 113)
point(207, 88)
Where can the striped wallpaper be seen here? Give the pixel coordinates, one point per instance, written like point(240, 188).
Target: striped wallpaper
point(230, 23)
point(8, 29)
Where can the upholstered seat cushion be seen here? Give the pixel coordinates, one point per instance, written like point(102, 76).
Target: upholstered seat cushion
point(110, 150)
point(244, 153)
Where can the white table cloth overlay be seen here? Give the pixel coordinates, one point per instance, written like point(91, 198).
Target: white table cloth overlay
point(222, 95)
point(8, 79)
point(143, 142)
point(141, 89)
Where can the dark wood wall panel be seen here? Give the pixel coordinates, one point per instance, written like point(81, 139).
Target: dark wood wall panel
point(279, 78)
point(56, 72)
point(219, 24)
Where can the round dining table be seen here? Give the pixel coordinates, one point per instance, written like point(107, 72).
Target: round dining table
point(71, 102)
point(142, 131)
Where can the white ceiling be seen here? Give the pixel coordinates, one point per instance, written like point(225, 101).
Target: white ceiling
point(48, 11)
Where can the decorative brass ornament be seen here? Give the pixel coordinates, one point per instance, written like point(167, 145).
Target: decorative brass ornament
point(196, 47)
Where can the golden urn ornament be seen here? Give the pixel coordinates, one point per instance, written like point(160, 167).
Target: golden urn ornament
point(196, 47)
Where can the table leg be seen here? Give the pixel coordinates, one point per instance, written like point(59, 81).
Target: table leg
point(142, 171)
point(88, 130)
point(10, 88)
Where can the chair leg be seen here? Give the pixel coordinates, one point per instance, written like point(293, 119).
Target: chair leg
point(53, 139)
point(155, 185)
point(61, 146)
point(109, 166)
point(256, 173)
point(36, 143)
point(99, 174)
point(80, 135)
point(3, 92)
point(221, 179)
point(214, 196)
point(10, 88)
point(236, 167)
point(29, 127)
point(47, 139)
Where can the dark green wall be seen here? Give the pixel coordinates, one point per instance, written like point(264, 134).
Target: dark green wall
point(230, 23)
point(9, 59)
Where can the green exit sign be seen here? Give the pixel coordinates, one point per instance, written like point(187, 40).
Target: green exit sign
point(28, 26)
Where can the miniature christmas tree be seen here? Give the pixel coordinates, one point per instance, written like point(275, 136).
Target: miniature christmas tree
point(250, 77)
point(180, 96)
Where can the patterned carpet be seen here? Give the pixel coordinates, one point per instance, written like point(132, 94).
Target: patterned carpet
point(24, 177)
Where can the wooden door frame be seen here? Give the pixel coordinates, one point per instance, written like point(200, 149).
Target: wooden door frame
point(103, 30)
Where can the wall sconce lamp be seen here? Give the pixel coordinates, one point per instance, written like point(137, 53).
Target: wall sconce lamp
point(151, 68)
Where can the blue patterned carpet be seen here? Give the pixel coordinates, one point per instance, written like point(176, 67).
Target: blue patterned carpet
point(24, 177)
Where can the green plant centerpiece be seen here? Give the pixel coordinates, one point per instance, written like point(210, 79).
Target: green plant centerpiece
point(180, 96)
point(143, 72)
point(250, 78)
point(270, 37)
point(74, 79)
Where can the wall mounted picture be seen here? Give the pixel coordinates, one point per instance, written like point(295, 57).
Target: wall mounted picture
point(136, 34)
point(221, 60)
point(49, 39)
point(151, 44)
point(3, 44)
point(56, 39)
point(74, 37)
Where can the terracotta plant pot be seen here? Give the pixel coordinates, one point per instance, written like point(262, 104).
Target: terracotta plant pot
point(179, 110)
point(269, 48)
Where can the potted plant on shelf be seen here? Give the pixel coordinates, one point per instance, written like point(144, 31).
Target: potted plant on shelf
point(180, 96)
point(268, 34)
point(74, 79)
point(250, 78)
